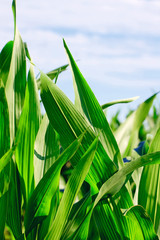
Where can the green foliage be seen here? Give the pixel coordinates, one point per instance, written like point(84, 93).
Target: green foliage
point(70, 174)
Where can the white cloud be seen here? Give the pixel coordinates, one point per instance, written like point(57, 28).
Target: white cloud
point(101, 16)
point(114, 39)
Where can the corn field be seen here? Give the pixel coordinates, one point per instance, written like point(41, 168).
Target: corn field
point(69, 174)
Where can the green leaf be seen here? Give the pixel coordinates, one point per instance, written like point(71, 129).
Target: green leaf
point(82, 231)
point(40, 200)
point(53, 74)
point(46, 148)
point(47, 222)
point(3, 206)
point(149, 194)
point(4, 160)
point(127, 133)
point(73, 186)
point(4, 186)
point(128, 100)
point(110, 188)
point(4, 122)
point(78, 212)
point(86, 100)
point(105, 220)
point(139, 224)
point(16, 81)
point(69, 123)
point(14, 203)
point(46, 152)
point(5, 60)
point(115, 183)
point(26, 133)
point(5, 153)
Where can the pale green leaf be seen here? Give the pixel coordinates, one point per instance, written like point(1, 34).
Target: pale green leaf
point(128, 100)
point(16, 81)
point(149, 189)
point(114, 183)
point(46, 149)
point(127, 133)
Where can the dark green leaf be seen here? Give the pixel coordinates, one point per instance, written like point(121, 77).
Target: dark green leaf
point(86, 100)
point(73, 186)
point(39, 203)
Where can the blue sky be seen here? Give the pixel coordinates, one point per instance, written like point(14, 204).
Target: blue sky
point(117, 42)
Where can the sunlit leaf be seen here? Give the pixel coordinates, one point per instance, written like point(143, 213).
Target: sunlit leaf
point(86, 100)
point(69, 123)
point(26, 133)
point(16, 81)
point(53, 74)
point(128, 100)
point(139, 224)
point(127, 133)
point(46, 148)
point(149, 189)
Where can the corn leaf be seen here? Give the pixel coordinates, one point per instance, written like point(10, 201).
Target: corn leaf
point(76, 216)
point(14, 203)
point(16, 81)
point(111, 209)
point(86, 100)
point(4, 122)
point(53, 74)
point(127, 133)
point(3, 212)
point(128, 100)
point(4, 160)
point(110, 188)
point(149, 189)
point(101, 214)
point(47, 222)
point(106, 223)
point(73, 186)
point(83, 229)
point(46, 152)
point(114, 183)
point(5, 60)
point(4, 186)
point(139, 224)
point(46, 149)
point(69, 123)
point(5, 153)
point(39, 203)
point(26, 134)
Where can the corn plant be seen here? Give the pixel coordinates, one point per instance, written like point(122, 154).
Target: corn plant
point(65, 175)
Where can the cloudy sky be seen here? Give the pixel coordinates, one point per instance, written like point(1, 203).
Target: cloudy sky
point(116, 42)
